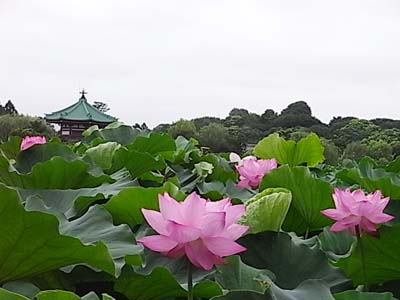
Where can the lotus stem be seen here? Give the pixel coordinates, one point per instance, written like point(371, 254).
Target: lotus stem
point(190, 281)
point(307, 233)
point(361, 247)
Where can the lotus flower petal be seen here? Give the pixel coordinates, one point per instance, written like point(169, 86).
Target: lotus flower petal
point(203, 230)
point(29, 141)
point(158, 243)
point(252, 170)
point(199, 255)
point(356, 209)
point(222, 246)
point(156, 221)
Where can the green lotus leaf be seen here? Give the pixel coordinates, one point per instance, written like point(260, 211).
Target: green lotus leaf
point(381, 256)
point(102, 155)
point(31, 243)
point(125, 207)
point(56, 173)
point(155, 144)
point(40, 153)
point(308, 150)
point(267, 210)
point(8, 295)
point(115, 132)
point(278, 253)
point(160, 284)
point(356, 295)
point(137, 163)
point(310, 195)
point(370, 177)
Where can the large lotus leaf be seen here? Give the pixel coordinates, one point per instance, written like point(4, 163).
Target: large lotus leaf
point(66, 295)
point(40, 153)
point(155, 143)
point(381, 255)
point(31, 243)
point(24, 288)
point(73, 202)
point(185, 149)
point(115, 132)
point(56, 173)
point(7, 295)
point(335, 244)
point(52, 295)
point(371, 178)
point(178, 270)
point(103, 154)
point(11, 148)
point(177, 267)
point(394, 165)
point(356, 295)
point(93, 296)
point(245, 282)
point(160, 284)
point(137, 163)
point(57, 295)
point(292, 263)
point(222, 170)
point(125, 207)
point(308, 290)
point(218, 190)
point(310, 195)
point(308, 150)
point(267, 210)
point(236, 275)
point(97, 225)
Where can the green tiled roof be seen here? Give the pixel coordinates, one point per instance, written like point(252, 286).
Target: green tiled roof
point(80, 111)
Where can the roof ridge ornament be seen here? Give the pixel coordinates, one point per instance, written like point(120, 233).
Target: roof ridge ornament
point(83, 93)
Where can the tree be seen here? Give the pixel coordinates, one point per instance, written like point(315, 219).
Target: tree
point(297, 108)
point(8, 108)
point(164, 127)
point(355, 151)
point(331, 152)
point(353, 131)
point(19, 125)
point(380, 150)
point(101, 106)
point(184, 128)
point(339, 122)
point(216, 137)
point(267, 119)
point(296, 114)
point(204, 121)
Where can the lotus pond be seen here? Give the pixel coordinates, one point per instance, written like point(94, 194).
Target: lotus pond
point(130, 214)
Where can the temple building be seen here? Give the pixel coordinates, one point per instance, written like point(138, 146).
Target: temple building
point(78, 117)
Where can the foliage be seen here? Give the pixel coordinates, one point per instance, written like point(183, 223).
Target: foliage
point(20, 125)
point(215, 136)
point(184, 128)
point(8, 108)
point(101, 106)
point(70, 215)
point(345, 137)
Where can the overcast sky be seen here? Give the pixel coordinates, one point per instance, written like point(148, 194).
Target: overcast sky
point(156, 61)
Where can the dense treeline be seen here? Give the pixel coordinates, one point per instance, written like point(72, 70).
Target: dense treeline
point(14, 124)
point(344, 137)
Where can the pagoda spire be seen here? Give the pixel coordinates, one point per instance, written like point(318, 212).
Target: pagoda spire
point(83, 93)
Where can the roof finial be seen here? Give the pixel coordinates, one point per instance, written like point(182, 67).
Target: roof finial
point(83, 93)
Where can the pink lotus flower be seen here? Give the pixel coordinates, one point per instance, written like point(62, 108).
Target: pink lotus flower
point(357, 209)
point(252, 170)
point(29, 141)
point(204, 231)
